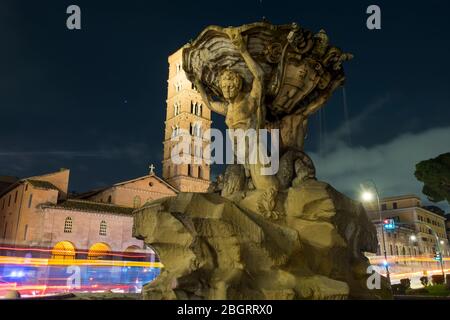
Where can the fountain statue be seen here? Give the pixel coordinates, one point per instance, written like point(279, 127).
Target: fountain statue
point(256, 235)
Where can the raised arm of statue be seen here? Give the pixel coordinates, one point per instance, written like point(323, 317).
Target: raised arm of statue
point(215, 106)
point(240, 43)
point(256, 92)
point(257, 85)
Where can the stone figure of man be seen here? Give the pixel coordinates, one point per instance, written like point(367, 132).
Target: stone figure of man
point(245, 110)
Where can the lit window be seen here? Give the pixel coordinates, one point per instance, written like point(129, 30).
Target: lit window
point(68, 225)
point(102, 231)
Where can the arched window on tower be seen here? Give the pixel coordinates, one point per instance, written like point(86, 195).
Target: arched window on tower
point(176, 108)
point(68, 225)
point(175, 131)
point(102, 230)
point(198, 130)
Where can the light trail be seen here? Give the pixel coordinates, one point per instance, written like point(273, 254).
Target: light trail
point(380, 259)
point(38, 262)
point(50, 251)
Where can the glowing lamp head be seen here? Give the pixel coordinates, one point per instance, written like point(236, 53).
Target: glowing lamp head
point(367, 196)
point(413, 238)
point(441, 242)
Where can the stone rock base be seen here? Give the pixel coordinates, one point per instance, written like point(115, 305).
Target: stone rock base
point(218, 248)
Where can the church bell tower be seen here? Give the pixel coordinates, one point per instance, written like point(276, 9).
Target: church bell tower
point(185, 112)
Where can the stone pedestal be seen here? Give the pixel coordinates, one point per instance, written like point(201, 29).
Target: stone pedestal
point(218, 248)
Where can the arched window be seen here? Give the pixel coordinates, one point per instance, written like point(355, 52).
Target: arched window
point(102, 231)
point(137, 202)
point(200, 172)
point(68, 225)
point(64, 250)
point(176, 131)
point(198, 130)
point(99, 251)
point(109, 199)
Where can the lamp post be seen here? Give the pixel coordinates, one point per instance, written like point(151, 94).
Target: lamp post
point(368, 196)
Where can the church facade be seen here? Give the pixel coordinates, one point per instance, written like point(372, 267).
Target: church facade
point(38, 212)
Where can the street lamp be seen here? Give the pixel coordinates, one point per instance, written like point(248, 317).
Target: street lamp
point(368, 196)
point(413, 238)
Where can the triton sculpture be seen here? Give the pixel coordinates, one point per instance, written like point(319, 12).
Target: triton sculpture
point(254, 236)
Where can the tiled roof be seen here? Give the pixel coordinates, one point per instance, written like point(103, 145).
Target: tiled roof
point(91, 206)
point(42, 184)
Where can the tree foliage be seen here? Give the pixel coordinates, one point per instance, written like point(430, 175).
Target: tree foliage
point(435, 174)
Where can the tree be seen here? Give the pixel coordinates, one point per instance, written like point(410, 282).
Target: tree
point(435, 174)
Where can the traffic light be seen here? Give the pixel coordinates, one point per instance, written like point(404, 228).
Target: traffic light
point(389, 224)
point(438, 256)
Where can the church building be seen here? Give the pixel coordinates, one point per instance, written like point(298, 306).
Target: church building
point(39, 212)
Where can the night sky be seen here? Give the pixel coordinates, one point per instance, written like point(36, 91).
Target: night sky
point(93, 100)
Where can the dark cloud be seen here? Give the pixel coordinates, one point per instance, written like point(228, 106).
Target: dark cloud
point(391, 164)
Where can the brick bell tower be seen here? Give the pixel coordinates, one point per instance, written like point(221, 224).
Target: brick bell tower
point(185, 110)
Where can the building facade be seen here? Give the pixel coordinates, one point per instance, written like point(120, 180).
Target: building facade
point(419, 231)
point(188, 117)
point(37, 212)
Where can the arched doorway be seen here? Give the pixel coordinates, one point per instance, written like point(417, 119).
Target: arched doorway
point(64, 250)
point(133, 248)
point(99, 250)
